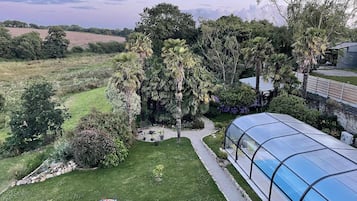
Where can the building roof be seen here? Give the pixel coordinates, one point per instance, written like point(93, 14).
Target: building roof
point(303, 162)
point(264, 85)
point(343, 45)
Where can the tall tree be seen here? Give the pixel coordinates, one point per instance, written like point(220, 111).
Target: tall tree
point(141, 44)
point(177, 56)
point(38, 115)
point(125, 83)
point(308, 46)
point(166, 21)
point(27, 46)
point(5, 43)
point(257, 53)
point(220, 43)
point(55, 44)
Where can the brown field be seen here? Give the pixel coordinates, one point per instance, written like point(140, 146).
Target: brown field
point(76, 38)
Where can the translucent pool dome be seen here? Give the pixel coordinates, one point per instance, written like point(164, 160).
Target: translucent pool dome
point(283, 158)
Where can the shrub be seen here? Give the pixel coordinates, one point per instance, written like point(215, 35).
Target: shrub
point(90, 147)
point(197, 124)
point(62, 151)
point(77, 49)
point(158, 172)
point(222, 154)
point(109, 123)
point(294, 106)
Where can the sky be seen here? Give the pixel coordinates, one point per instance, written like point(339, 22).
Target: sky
point(118, 14)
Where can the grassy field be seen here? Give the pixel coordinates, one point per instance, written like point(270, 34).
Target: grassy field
point(76, 38)
point(349, 80)
point(214, 142)
point(184, 178)
point(81, 104)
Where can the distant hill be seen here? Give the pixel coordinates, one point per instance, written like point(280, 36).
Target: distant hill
point(76, 38)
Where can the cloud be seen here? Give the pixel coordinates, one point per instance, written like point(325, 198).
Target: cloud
point(84, 7)
point(44, 1)
point(269, 13)
point(114, 2)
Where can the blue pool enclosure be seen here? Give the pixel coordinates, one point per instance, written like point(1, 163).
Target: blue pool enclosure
point(283, 158)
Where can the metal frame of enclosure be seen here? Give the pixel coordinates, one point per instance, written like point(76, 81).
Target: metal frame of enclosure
point(286, 159)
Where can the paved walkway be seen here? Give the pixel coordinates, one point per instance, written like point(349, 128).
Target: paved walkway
point(224, 182)
point(336, 72)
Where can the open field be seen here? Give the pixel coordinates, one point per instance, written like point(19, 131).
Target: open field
point(184, 178)
point(76, 38)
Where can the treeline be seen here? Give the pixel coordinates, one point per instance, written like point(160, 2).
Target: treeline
point(30, 46)
point(115, 32)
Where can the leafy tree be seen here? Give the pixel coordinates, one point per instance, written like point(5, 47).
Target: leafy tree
point(140, 44)
point(308, 46)
point(127, 80)
point(38, 116)
point(220, 43)
point(177, 56)
point(257, 53)
point(27, 46)
point(5, 43)
point(166, 21)
point(55, 44)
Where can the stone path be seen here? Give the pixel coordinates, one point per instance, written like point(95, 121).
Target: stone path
point(225, 183)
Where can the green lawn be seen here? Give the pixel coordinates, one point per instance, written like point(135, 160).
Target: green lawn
point(82, 103)
point(4, 134)
point(184, 178)
point(349, 80)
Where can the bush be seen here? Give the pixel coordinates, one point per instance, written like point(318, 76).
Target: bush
point(198, 124)
point(222, 154)
point(62, 151)
point(294, 106)
point(77, 49)
point(106, 47)
point(90, 148)
point(109, 123)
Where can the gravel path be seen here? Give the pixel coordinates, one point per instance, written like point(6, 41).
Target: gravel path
point(225, 183)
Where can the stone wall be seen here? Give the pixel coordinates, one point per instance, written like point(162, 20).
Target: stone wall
point(346, 114)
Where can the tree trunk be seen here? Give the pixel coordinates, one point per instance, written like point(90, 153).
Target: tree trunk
point(128, 108)
point(257, 76)
point(234, 73)
point(178, 120)
point(304, 82)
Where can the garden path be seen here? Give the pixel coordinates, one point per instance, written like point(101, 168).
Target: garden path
point(224, 181)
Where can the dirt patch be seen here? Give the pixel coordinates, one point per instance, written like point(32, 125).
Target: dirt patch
point(76, 38)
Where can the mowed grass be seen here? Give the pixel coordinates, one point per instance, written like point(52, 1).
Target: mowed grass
point(184, 178)
point(81, 104)
point(350, 80)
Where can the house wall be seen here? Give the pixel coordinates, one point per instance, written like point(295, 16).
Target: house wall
point(348, 59)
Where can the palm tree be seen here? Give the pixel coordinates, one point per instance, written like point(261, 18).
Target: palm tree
point(257, 53)
point(127, 80)
point(308, 46)
point(177, 56)
point(141, 44)
point(279, 72)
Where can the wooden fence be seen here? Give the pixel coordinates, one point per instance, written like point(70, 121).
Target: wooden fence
point(342, 92)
